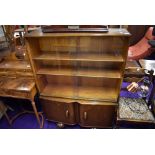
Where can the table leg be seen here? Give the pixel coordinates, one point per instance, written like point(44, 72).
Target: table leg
point(36, 113)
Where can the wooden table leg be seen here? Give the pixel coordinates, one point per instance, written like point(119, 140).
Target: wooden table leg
point(37, 114)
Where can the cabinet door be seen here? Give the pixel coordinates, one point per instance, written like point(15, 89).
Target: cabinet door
point(58, 111)
point(97, 115)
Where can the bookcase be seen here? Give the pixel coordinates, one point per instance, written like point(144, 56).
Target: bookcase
point(79, 75)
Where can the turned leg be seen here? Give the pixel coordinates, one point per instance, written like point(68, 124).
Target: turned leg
point(36, 113)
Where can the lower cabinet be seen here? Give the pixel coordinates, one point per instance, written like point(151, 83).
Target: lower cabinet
point(87, 115)
point(59, 111)
point(97, 115)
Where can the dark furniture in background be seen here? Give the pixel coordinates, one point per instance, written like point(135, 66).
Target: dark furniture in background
point(140, 42)
point(74, 28)
point(137, 33)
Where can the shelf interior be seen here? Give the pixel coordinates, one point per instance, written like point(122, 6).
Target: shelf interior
point(83, 72)
point(80, 92)
point(79, 67)
point(88, 88)
point(94, 57)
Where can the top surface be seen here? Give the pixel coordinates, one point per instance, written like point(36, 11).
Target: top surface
point(111, 32)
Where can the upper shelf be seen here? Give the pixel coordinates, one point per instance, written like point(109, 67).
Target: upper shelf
point(111, 32)
point(81, 57)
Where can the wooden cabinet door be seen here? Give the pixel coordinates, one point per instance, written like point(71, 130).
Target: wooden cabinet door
point(101, 116)
point(58, 111)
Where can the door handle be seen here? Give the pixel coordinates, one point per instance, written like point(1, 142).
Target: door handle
point(67, 113)
point(85, 115)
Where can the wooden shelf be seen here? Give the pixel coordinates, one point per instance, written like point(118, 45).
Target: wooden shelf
point(80, 92)
point(82, 101)
point(88, 72)
point(81, 57)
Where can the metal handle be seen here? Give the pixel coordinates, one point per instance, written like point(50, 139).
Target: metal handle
point(85, 115)
point(67, 113)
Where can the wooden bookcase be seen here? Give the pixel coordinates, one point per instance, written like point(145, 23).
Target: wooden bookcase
point(79, 75)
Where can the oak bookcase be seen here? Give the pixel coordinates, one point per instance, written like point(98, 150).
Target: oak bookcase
point(79, 75)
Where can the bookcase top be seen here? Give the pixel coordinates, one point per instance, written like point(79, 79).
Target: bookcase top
point(112, 32)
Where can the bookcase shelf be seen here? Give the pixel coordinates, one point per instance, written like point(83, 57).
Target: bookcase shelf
point(87, 72)
point(80, 92)
point(79, 75)
point(80, 57)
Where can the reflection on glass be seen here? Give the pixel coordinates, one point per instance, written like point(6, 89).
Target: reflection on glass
point(144, 88)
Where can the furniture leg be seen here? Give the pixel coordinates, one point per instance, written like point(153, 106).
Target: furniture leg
point(60, 125)
point(36, 113)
